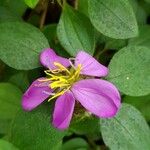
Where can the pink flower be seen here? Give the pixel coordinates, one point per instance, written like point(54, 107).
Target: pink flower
point(70, 80)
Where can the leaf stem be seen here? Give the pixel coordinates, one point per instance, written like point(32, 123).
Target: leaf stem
point(43, 16)
point(61, 2)
point(98, 53)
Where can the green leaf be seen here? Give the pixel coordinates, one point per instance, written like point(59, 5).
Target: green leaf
point(129, 70)
point(10, 97)
point(148, 1)
point(75, 144)
point(2, 69)
point(110, 43)
point(87, 125)
point(113, 18)
point(7, 73)
point(143, 39)
point(83, 6)
point(134, 5)
point(31, 3)
point(139, 12)
point(7, 15)
point(50, 33)
point(21, 44)
point(127, 131)
point(20, 79)
point(142, 103)
point(5, 145)
point(141, 15)
point(115, 44)
point(75, 32)
point(33, 130)
point(18, 7)
point(145, 6)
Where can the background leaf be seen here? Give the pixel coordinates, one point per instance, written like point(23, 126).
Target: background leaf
point(20, 79)
point(130, 71)
point(7, 15)
point(143, 39)
point(50, 33)
point(75, 144)
point(113, 18)
point(75, 32)
point(18, 7)
point(87, 125)
point(31, 3)
point(127, 131)
point(10, 97)
point(142, 103)
point(21, 44)
point(147, 1)
point(140, 13)
point(33, 130)
point(4, 145)
point(83, 7)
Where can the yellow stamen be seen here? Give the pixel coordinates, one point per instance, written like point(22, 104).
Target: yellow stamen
point(59, 94)
point(61, 67)
point(58, 84)
point(61, 79)
point(76, 74)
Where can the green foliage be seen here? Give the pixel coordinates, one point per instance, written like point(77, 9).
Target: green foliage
point(141, 16)
point(83, 6)
point(34, 131)
point(75, 144)
point(10, 97)
point(115, 32)
point(4, 145)
point(23, 47)
point(31, 3)
point(140, 13)
point(142, 103)
point(18, 7)
point(147, 1)
point(111, 43)
point(129, 70)
point(143, 38)
point(50, 33)
point(115, 44)
point(145, 6)
point(20, 79)
point(87, 125)
point(7, 15)
point(116, 19)
point(127, 131)
point(75, 32)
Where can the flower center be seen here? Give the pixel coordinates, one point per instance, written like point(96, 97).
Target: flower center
point(61, 79)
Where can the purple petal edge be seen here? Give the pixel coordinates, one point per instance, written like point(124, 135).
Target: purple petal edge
point(64, 107)
point(98, 96)
point(48, 57)
point(90, 66)
point(35, 94)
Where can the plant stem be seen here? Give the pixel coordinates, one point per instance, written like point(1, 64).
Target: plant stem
point(98, 53)
point(43, 16)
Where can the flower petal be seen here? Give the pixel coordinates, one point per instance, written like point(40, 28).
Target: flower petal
point(48, 57)
point(35, 95)
point(64, 107)
point(90, 66)
point(100, 97)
